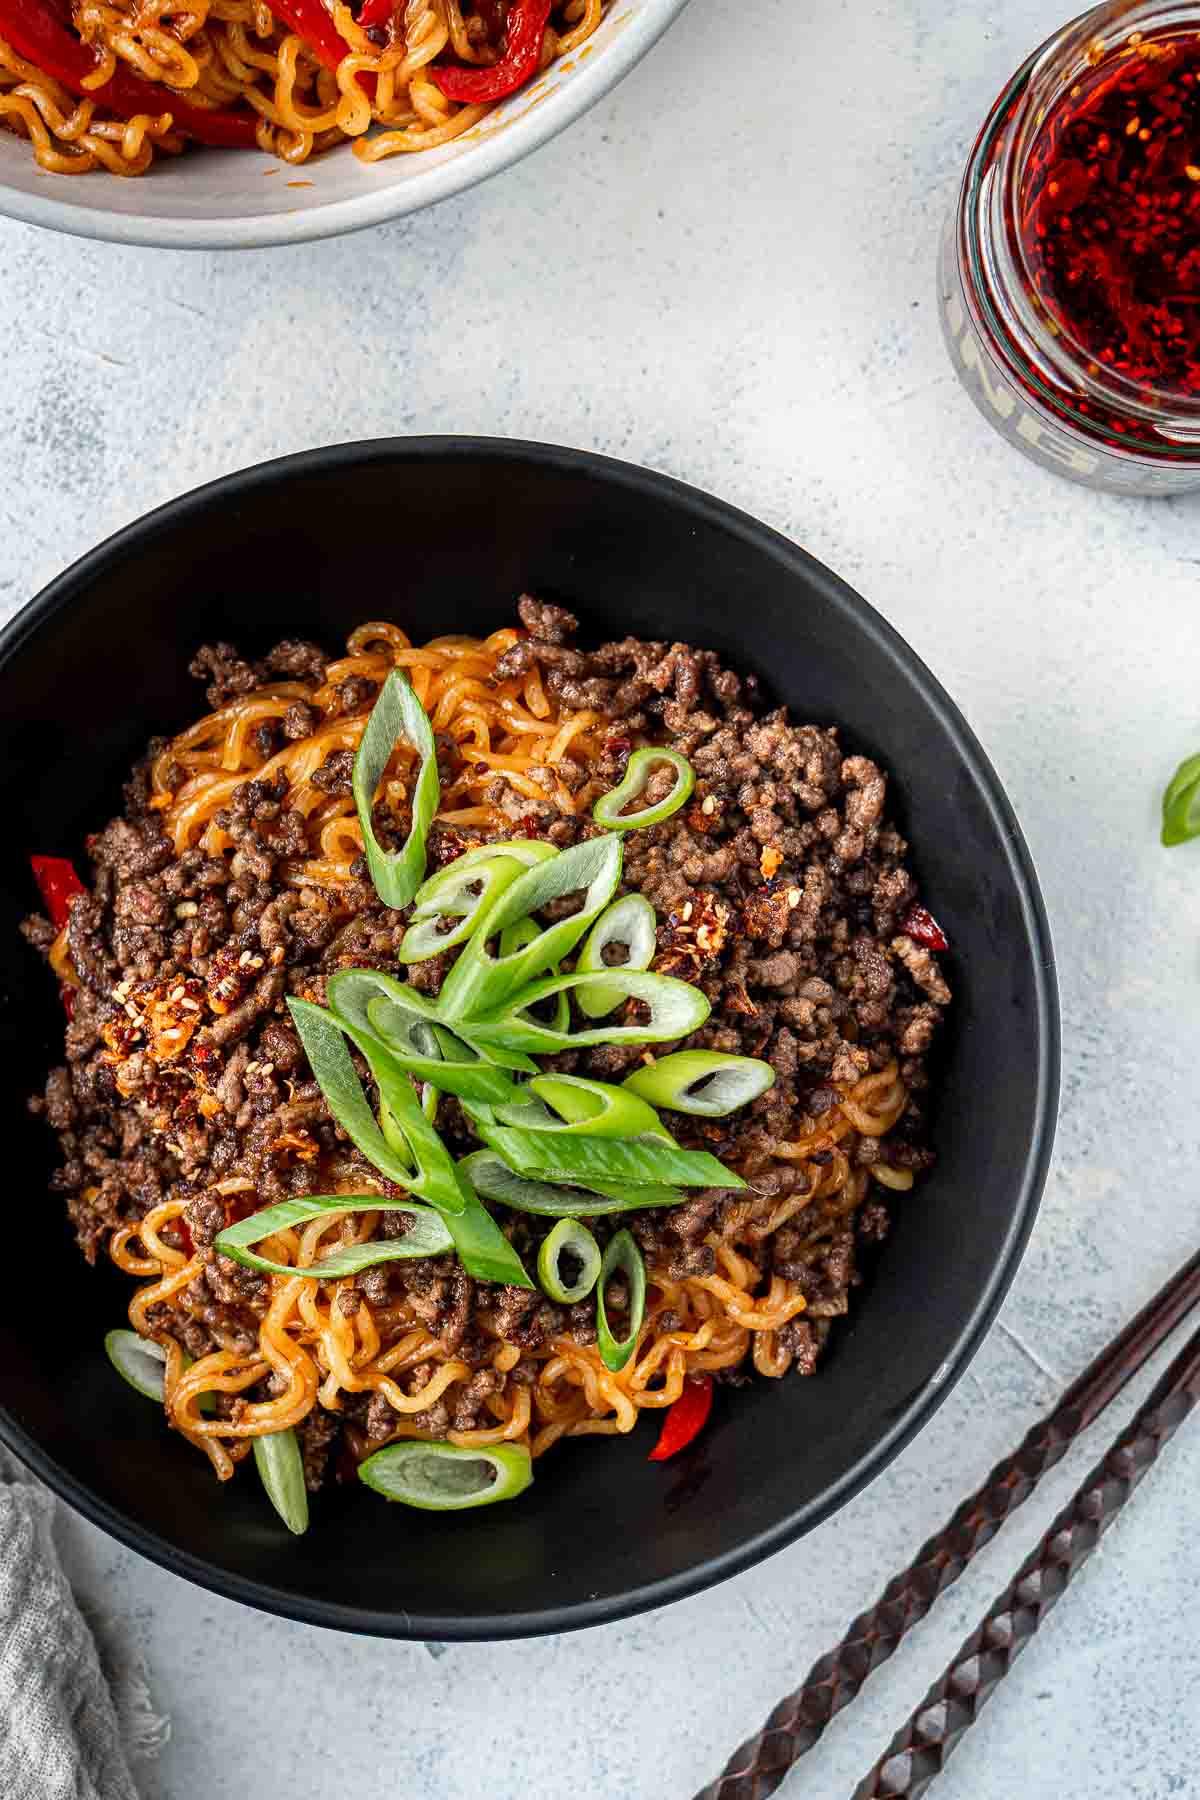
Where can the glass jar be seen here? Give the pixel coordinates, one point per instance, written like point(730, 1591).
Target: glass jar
point(1087, 409)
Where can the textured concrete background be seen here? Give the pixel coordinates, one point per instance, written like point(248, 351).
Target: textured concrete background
point(727, 272)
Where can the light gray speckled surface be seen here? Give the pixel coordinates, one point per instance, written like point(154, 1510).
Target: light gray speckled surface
point(726, 272)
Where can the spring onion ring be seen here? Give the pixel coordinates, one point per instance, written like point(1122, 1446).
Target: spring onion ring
point(571, 1238)
point(621, 1257)
point(608, 809)
point(676, 1008)
point(396, 716)
point(427, 1235)
point(584, 1108)
point(630, 921)
point(449, 896)
point(445, 1477)
point(703, 1082)
point(490, 1176)
point(281, 1468)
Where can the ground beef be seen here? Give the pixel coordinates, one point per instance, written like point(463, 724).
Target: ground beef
point(780, 891)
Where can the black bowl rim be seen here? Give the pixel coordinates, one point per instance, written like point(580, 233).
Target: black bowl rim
point(72, 585)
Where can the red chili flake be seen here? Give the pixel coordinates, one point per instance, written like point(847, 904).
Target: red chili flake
point(618, 748)
point(1109, 213)
point(921, 926)
point(529, 826)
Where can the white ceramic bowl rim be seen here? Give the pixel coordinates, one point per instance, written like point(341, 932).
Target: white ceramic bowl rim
point(435, 177)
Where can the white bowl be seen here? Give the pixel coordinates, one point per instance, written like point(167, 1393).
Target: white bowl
point(241, 199)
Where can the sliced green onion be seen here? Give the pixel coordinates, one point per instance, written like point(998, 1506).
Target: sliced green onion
point(704, 1082)
point(585, 1109)
point(630, 921)
point(447, 1477)
point(622, 1256)
point(428, 1235)
point(281, 1466)
point(337, 1078)
point(482, 1247)
point(449, 896)
point(591, 1159)
point(396, 715)
point(479, 981)
point(569, 1238)
point(608, 808)
point(515, 937)
point(490, 1176)
point(143, 1364)
point(139, 1361)
point(676, 1008)
point(407, 1028)
point(525, 850)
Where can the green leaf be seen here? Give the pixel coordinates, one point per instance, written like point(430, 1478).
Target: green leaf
point(397, 715)
point(1181, 804)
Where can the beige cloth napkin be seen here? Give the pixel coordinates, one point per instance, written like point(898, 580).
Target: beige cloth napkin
point(62, 1733)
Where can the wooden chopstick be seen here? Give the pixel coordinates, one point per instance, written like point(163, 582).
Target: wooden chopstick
point(758, 1766)
point(919, 1751)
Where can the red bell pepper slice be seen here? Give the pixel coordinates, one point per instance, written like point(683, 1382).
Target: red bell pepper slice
point(58, 885)
point(527, 20)
point(923, 928)
point(686, 1418)
point(309, 20)
point(376, 12)
point(37, 31)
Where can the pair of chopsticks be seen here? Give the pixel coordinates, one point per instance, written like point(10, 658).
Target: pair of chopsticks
point(918, 1752)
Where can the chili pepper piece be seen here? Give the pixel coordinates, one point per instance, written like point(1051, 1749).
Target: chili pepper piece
point(56, 879)
point(36, 31)
point(686, 1419)
point(527, 21)
point(921, 926)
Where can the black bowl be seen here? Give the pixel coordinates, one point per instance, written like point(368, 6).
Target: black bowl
point(442, 534)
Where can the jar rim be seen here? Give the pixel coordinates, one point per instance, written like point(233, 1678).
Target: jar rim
point(995, 283)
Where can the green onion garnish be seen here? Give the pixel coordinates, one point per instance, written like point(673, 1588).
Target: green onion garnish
point(378, 1006)
point(630, 921)
point(281, 1466)
point(676, 1008)
point(432, 1175)
point(492, 1177)
point(559, 1156)
point(143, 1364)
point(427, 1235)
point(139, 1361)
point(622, 1256)
point(703, 1082)
point(585, 1109)
point(449, 896)
point(608, 809)
point(480, 982)
point(396, 715)
point(526, 851)
point(568, 1238)
point(445, 1477)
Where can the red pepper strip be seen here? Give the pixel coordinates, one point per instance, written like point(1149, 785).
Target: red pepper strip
point(37, 33)
point(686, 1418)
point(58, 885)
point(376, 12)
point(309, 20)
point(923, 928)
point(527, 20)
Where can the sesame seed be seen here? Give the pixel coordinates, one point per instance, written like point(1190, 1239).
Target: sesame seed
point(708, 806)
point(1133, 126)
point(687, 912)
point(176, 993)
point(793, 898)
